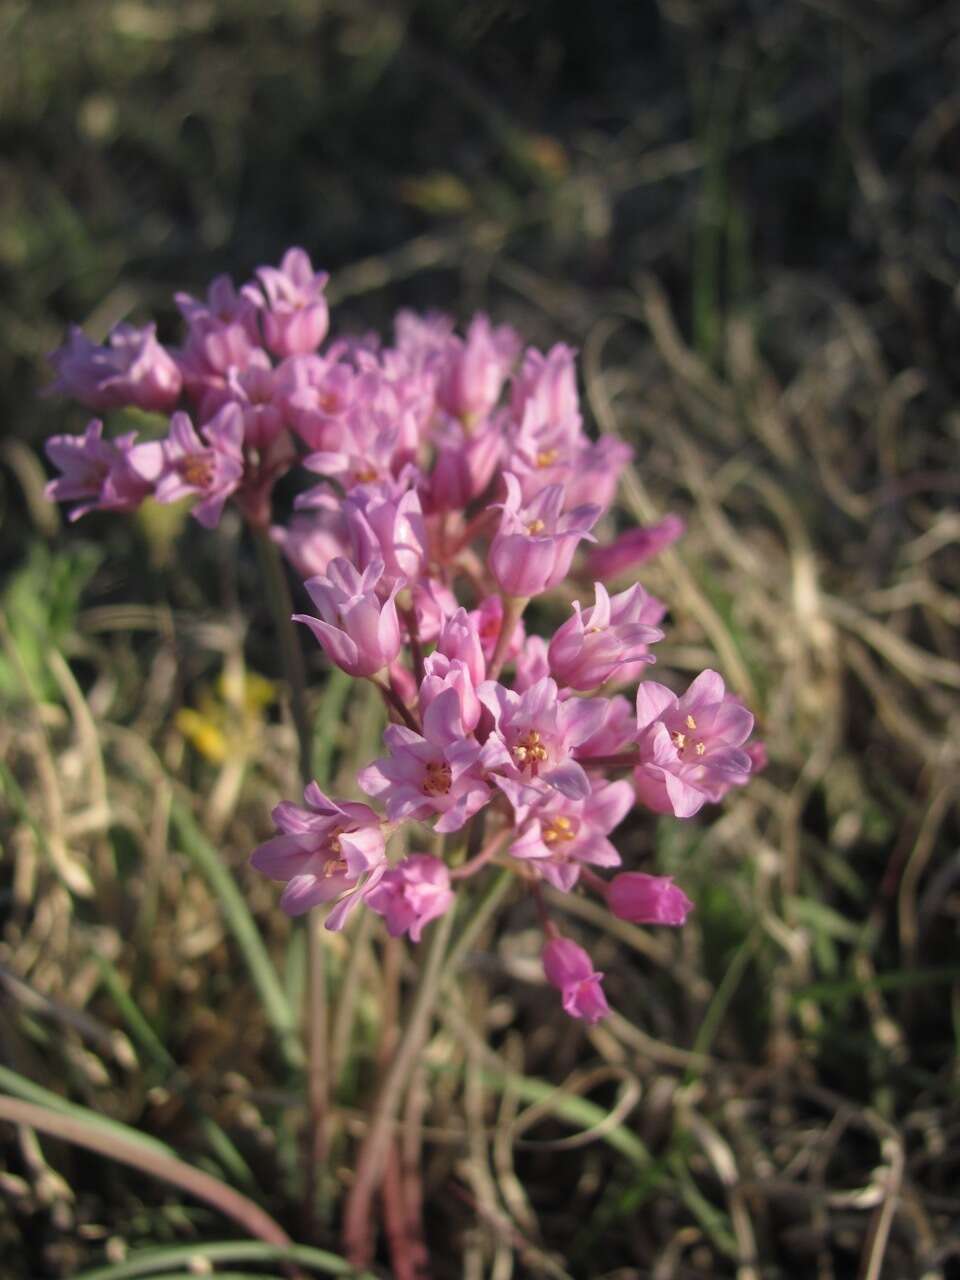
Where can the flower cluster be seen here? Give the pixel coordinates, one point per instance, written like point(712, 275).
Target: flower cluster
point(453, 482)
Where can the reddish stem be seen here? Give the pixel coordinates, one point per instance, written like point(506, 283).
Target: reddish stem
point(393, 699)
point(622, 760)
point(513, 607)
point(489, 850)
point(416, 648)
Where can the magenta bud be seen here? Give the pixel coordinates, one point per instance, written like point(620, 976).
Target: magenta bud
point(644, 899)
point(569, 969)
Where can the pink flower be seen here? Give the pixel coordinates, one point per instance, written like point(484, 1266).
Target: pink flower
point(221, 335)
point(488, 619)
point(386, 524)
point(433, 773)
point(596, 472)
point(259, 393)
point(557, 834)
point(545, 391)
point(433, 603)
point(759, 758)
point(295, 318)
point(422, 340)
point(633, 548)
point(533, 547)
point(369, 449)
point(570, 970)
point(594, 645)
point(133, 369)
point(473, 371)
point(312, 540)
point(690, 746)
point(97, 474)
point(459, 638)
point(327, 851)
point(320, 393)
point(451, 673)
point(644, 899)
point(532, 664)
point(358, 632)
point(411, 894)
point(464, 466)
point(616, 733)
point(186, 467)
point(535, 733)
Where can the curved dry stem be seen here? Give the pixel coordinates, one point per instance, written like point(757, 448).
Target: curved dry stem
point(193, 1181)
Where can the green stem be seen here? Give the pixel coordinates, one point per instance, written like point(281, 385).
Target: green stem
point(281, 607)
point(278, 596)
point(234, 906)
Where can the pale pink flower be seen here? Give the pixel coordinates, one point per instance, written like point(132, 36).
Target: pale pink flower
point(421, 340)
point(534, 545)
point(569, 969)
point(633, 548)
point(690, 747)
point(329, 851)
point(532, 663)
point(459, 638)
point(296, 318)
point(310, 541)
point(411, 894)
point(472, 372)
point(222, 335)
point(358, 631)
point(596, 471)
point(433, 773)
point(596, 643)
point(186, 466)
point(544, 391)
point(433, 603)
point(442, 673)
point(259, 393)
point(617, 732)
point(535, 734)
point(319, 396)
point(132, 369)
point(557, 835)
point(644, 899)
point(487, 618)
point(97, 474)
point(386, 523)
point(464, 465)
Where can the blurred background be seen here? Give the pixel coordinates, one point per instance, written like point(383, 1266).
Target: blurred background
point(746, 216)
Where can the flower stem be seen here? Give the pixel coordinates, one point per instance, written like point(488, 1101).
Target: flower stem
point(358, 1217)
point(393, 699)
point(281, 606)
point(477, 863)
point(513, 607)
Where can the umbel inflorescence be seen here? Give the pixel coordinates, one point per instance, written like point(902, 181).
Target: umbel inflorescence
point(458, 483)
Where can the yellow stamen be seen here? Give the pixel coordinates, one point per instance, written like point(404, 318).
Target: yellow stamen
point(547, 457)
point(536, 526)
point(530, 751)
point(558, 831)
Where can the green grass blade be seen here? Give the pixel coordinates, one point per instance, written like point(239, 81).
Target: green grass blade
point(244, 929)
point(152, 1262)
point(150, 1043)
point(23, 1088)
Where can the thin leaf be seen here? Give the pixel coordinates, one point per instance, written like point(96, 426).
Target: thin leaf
point(244, 929)
point(139, 1155)
point(151, 1262)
